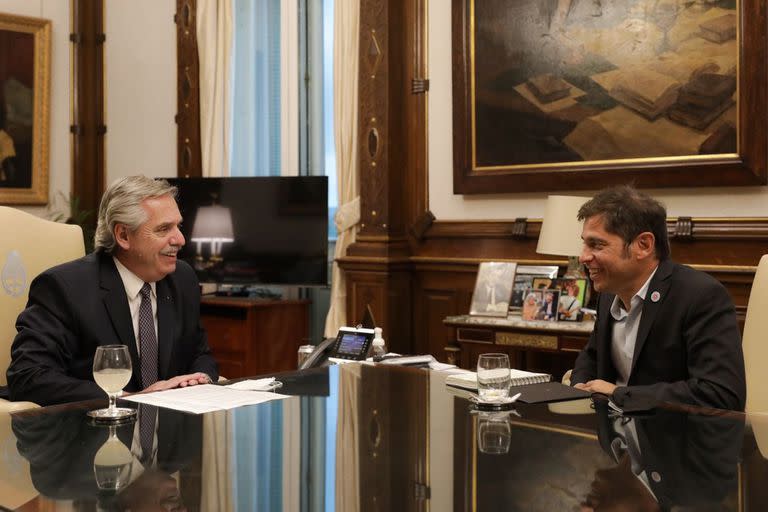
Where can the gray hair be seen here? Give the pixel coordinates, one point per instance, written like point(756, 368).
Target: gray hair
point(121, 204)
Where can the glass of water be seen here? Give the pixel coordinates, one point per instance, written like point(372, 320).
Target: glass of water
point(112, 371)
point(493, 377)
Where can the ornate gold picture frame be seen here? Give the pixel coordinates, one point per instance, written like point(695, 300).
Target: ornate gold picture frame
point(25, 70)
point(567, 95)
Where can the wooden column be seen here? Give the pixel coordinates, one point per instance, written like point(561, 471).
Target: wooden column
point(392, 148)
point(188, 90)
point(88, 127)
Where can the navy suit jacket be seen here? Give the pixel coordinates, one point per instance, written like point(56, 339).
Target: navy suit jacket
point(688, 347)
point(75, 307)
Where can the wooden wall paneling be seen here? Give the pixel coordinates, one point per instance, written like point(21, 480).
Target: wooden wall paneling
point(188, 91)
point(88, 129)
point(392, 142)
point(437, 295)
point(389, 295)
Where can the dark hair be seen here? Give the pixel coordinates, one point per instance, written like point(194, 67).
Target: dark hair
point(628, 212)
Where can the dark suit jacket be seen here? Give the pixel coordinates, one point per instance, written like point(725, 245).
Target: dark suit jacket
point(688, 347)
point(77, 306)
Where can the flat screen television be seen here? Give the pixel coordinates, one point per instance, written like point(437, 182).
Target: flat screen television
point(256, 231)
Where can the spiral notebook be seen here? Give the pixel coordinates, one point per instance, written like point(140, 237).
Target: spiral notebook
point(468, 380)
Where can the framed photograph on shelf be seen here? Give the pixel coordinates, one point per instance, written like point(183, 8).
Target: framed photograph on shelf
point(540, 304)
point(524, 280)
point(573, 295)
point(493, 289)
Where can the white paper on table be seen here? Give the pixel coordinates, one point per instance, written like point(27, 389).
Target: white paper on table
point(203, 398)
point(266, 384)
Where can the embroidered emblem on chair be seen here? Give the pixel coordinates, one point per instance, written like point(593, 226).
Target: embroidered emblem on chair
point(13, 276)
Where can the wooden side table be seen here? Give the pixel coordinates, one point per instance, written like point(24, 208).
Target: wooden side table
point(540, 346)
point(254, 336)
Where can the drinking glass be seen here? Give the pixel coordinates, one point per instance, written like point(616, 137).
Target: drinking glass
point(494, 433)
point(112, 371)
point(113, 463)
point(493, 377)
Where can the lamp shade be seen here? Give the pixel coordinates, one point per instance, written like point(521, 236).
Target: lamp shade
point(561, 230)
point(213, 224)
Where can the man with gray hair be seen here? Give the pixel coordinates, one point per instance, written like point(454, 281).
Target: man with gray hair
point(131, 290)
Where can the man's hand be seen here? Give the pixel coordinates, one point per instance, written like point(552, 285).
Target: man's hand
point(597, 386)
point(180, 381)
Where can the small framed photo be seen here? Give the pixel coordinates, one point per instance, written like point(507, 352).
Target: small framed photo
point(540, 305)
point(573, 293)
point(524, 281)
point(493, 289)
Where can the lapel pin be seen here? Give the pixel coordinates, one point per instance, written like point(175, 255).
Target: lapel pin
point(655, 296)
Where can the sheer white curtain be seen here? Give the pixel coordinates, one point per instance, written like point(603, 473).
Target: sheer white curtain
point(214, 44)
point(345, 65)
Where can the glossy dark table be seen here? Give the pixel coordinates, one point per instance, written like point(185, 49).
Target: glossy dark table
point(365, 438)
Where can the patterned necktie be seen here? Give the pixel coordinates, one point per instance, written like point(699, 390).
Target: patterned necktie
point(147, 415)
point(147, 339)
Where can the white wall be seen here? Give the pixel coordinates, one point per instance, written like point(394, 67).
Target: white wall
point(140, 88)
point(60, 153)
point(700, 202)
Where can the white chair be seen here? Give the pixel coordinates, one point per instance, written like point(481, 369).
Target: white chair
point(28, 246)
point(756, 356)
point(754, 342)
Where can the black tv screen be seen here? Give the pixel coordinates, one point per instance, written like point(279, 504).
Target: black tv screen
point(261, 230)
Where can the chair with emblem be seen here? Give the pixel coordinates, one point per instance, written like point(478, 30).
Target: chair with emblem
point(28, 246)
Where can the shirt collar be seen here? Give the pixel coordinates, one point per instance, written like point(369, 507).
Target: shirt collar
point(617, 308)
point(131, 282)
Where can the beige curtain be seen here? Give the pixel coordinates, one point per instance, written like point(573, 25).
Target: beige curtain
point(214, 44)
point(217, 462)
point(345, 64)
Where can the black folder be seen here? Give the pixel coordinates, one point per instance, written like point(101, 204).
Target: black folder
point(547, 392)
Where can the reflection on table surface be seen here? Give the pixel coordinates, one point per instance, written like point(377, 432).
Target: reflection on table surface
point(360, 437)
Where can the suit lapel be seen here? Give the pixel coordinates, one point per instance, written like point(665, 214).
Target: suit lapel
point(116, 303)
point(604, 330)
point(166, 319)
point(658, 285)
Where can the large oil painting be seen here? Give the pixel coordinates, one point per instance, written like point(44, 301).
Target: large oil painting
point(24, 77)
point(594, 85)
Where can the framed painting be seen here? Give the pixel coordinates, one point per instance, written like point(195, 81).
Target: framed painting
point(581, 94)
point(25, 63)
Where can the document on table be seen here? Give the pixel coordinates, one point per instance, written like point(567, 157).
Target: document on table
point(203, 398)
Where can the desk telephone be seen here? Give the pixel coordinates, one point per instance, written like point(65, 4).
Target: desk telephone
point(349, 344)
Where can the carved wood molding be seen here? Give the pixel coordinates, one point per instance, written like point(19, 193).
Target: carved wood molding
point(680, 228)
point(88, 127)
point(188, 91)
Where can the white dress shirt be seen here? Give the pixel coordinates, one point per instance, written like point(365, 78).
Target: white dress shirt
point(624, 334)
point(133, 285)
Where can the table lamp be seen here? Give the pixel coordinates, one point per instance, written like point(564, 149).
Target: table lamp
point(212, 224)
point(561, 231)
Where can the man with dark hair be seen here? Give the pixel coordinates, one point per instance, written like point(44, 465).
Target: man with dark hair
point(664, 331)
